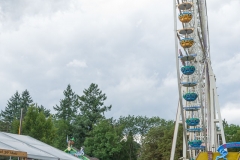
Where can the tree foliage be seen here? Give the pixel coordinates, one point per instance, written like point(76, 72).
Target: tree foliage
point(232, 134)
point(4, 126)
point(138, 126)
point(12, 111)
point(36, 125)
point(92, 109)
point(67, 109)
point(158, 142)
point(92, 106)
point(65, 116)
point(26, 101)
point(63, 129)
point(104, 141)
point(46, 112)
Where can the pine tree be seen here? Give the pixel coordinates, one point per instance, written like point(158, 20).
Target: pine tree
point(92, 111)
point(67, 109)
point(12, 110)
point(3, 125)
point(92, 105)
point(65, 116)
point(26, 101)
point(46, 111)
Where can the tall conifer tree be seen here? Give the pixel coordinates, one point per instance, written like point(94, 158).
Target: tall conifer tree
point(12, 110)
point(92, 111)
point(92, 105)
point(26, 101)
point(65, 116)
point(68, 108)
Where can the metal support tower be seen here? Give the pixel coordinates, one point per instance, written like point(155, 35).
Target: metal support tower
point(198, 108)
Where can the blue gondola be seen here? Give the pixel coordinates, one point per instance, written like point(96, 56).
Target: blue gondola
point(192, 121)
point(188, 70)
point(195, 143)
point(190, 96)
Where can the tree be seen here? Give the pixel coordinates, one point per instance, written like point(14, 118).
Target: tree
point(16, 123)
point(158, 141)
point(92, 105)
point(232, 134)
point(67, 109)
point(130, 147)
point(130, 136)
point(92, 111)
point(36, 125)
point(49, 131)
point(139, 126)
point(3, 125)
point(25, 101)
point(65, 116)
point(130, 125)
point(134, 131)
point(15, 126)
point(63, 129)
point(12, 110)
point(104, 141)
point(45, 111)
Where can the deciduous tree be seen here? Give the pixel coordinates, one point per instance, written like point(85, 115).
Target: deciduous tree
point(104, 141)
point(36, 125)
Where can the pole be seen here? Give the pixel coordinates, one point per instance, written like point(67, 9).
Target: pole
point(20, 126)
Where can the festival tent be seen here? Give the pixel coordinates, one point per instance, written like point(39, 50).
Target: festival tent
point(35, 149)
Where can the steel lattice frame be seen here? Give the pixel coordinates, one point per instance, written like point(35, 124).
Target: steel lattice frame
point(209, 111)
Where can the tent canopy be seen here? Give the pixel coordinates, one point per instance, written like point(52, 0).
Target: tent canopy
point(35, 149)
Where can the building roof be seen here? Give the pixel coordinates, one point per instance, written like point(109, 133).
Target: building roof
point(35, 149)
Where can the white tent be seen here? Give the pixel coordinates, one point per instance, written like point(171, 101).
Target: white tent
point(35, 149)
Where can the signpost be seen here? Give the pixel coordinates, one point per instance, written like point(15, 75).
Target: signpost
point(4, 152)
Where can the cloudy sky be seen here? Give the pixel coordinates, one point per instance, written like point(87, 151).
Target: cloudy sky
point(126, 47)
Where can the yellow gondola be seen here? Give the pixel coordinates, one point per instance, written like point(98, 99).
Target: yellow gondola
point(185, 17)
point(186, 42)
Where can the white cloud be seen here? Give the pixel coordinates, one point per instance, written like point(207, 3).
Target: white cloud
point(228, 70)
point(77, 63)
point(231, 112)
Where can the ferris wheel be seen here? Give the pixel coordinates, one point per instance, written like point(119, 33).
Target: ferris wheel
point(198, 108)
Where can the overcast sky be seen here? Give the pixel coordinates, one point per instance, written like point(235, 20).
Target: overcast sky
point(126, 47)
